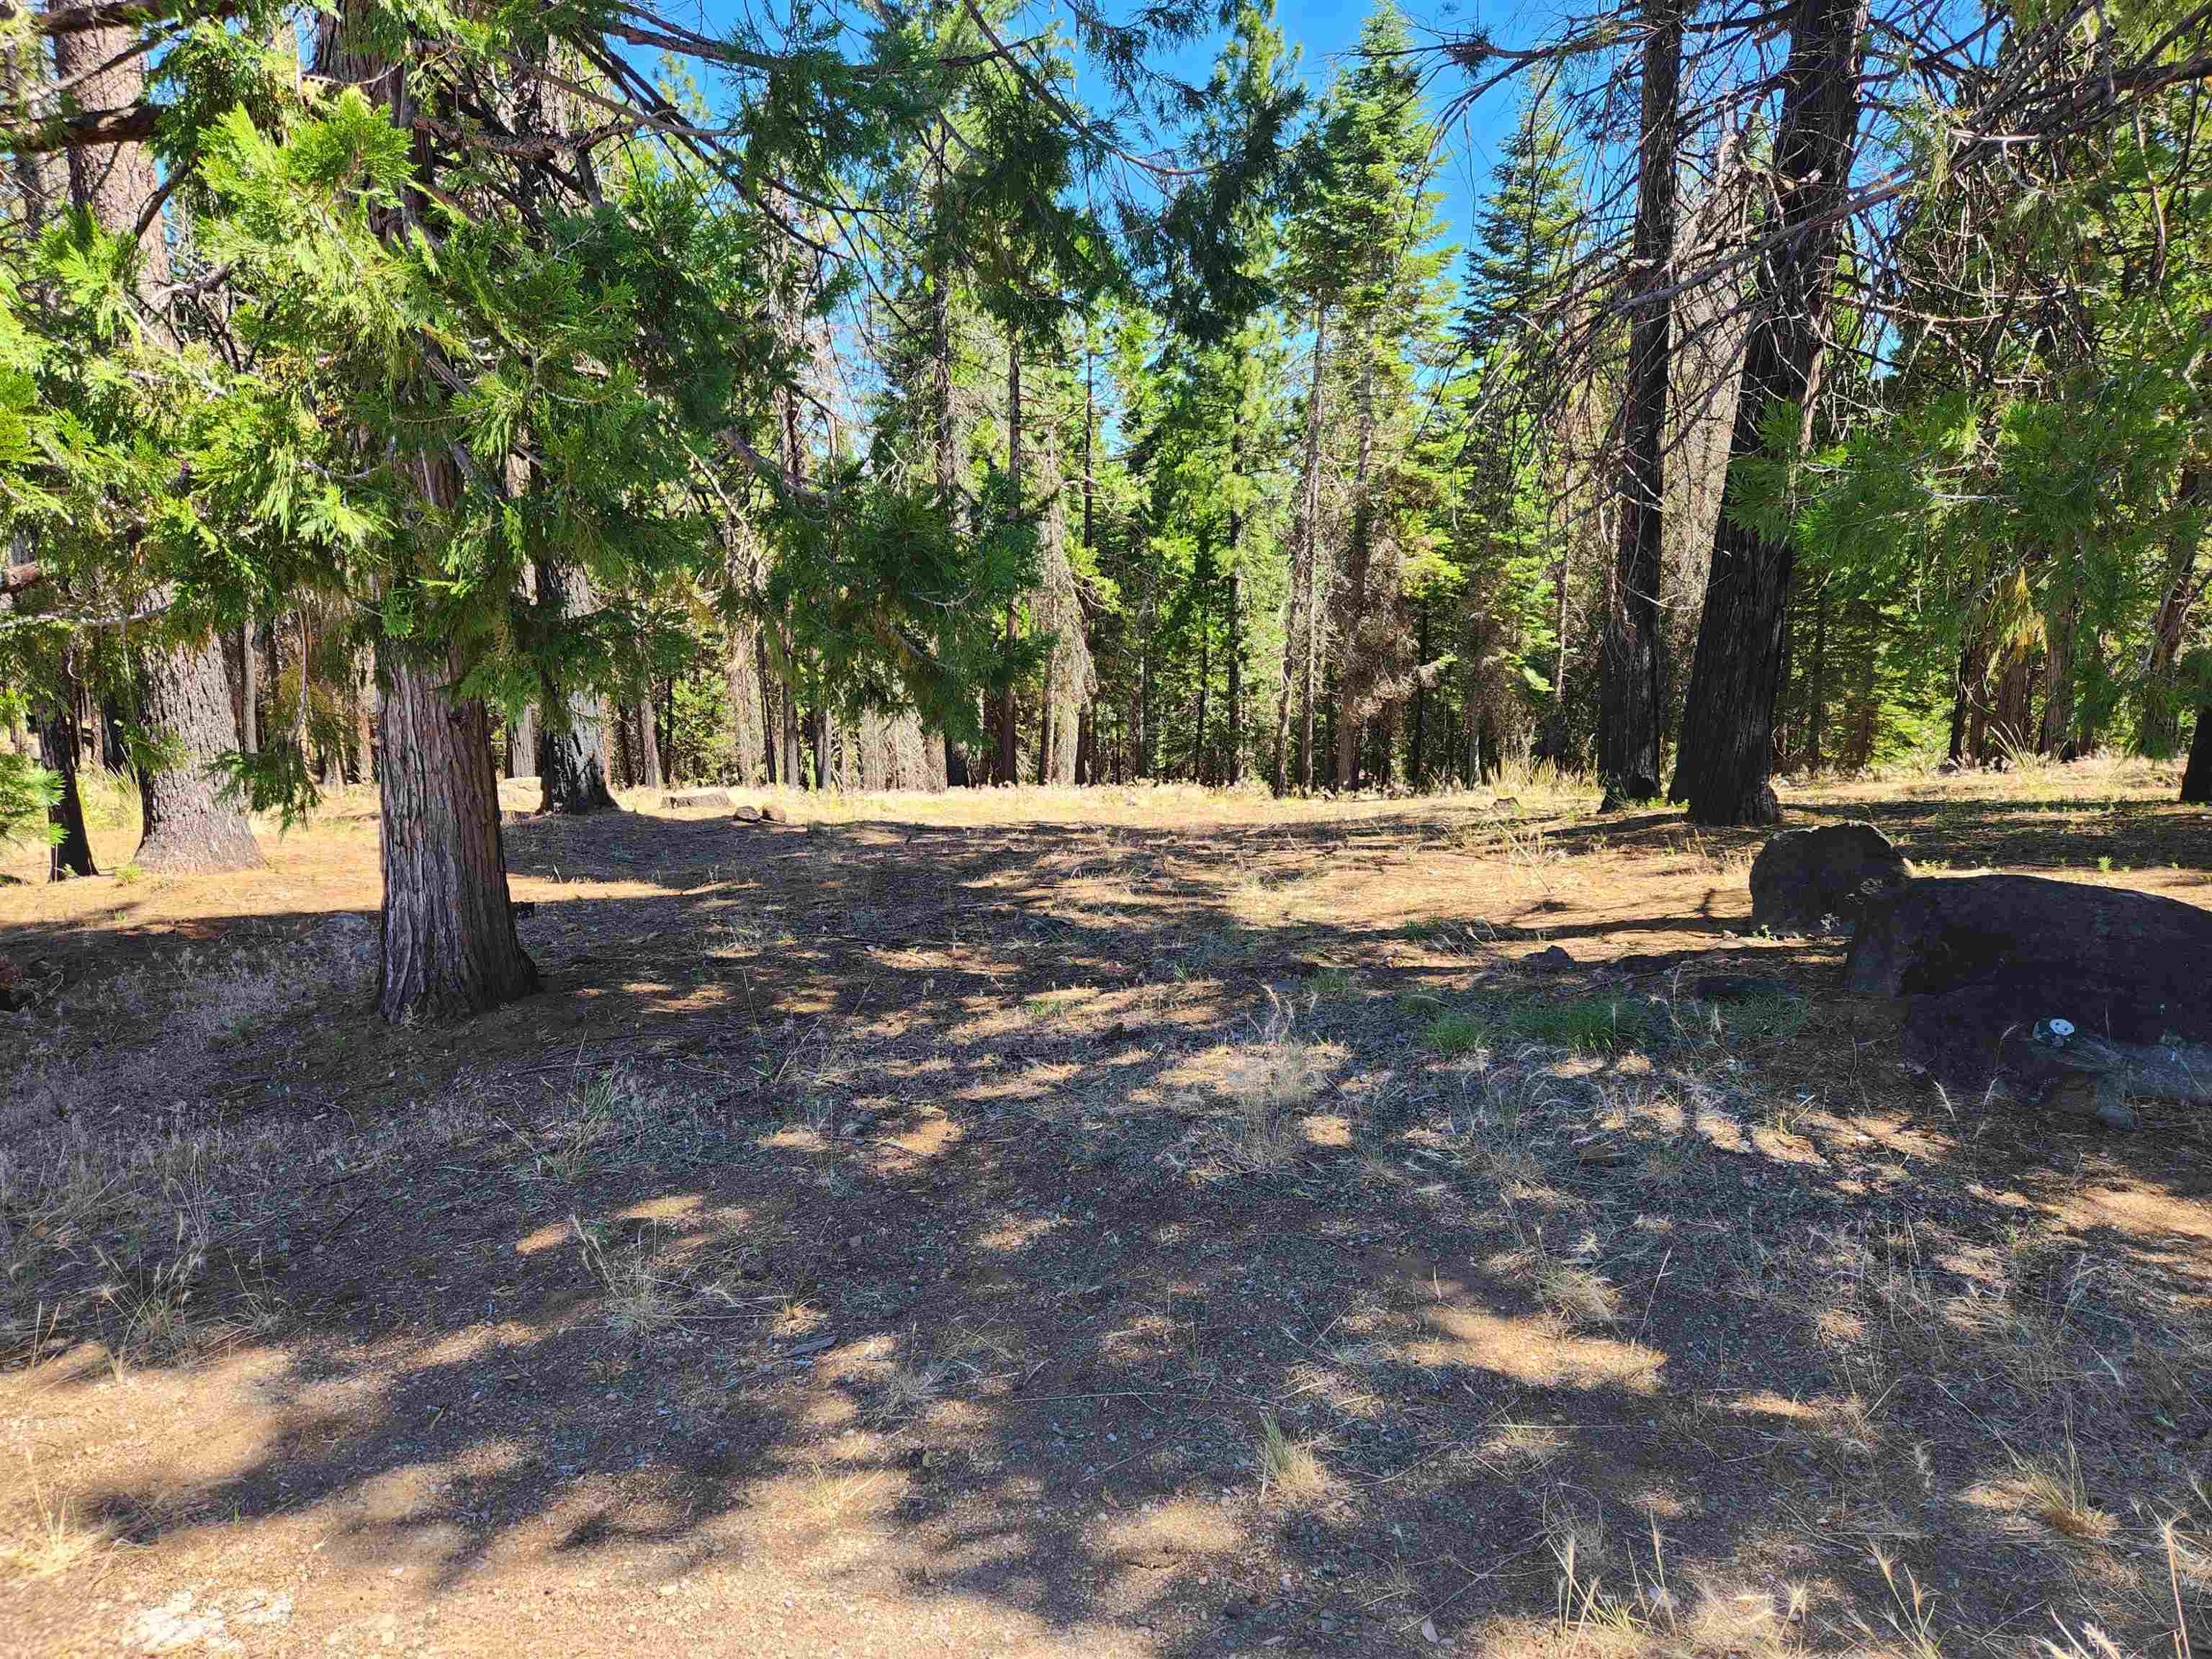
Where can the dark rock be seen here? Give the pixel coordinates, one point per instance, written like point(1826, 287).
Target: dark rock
point(774, 815)
point(518, 909)
point(1816, 879)
point(747, 815)
point(2077, 996)
point(1551, 959)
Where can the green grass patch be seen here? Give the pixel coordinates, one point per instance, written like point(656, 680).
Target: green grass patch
point(1604, 1025)
point(1455, 1033)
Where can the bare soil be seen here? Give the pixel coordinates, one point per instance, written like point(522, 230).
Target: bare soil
point(1106, 1222)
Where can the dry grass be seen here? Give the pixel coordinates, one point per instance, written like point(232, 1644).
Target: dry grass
point(57, 1538)
point(2056, 1497)
point(1291, 1471)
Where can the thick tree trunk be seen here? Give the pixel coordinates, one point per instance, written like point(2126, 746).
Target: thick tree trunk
point(2196, 781)
point(189, 823)
point(1816, 684)
point(448, 945)
point(1728, 722)
point(1628, 728)
point(450, 948)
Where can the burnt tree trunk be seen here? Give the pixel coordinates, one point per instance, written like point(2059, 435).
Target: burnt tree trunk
point(1728, 722)
point(2196, 781)
point(1629, 690)
point(189, 823)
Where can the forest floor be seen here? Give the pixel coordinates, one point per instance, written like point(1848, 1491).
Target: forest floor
point(1123, 1222)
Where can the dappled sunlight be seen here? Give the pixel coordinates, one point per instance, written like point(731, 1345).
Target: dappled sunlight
point(1095, 1244)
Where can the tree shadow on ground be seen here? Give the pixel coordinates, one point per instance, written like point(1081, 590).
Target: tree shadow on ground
point(1064, 1240)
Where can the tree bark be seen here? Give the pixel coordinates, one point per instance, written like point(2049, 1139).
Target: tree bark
point(571, 740)
point(522, 743)
point(1304, 535)
point(249, 739)
point(449, 944)
point(1629, 690)
point(2196, 781)
point(189, 823)
point(2158, 730)
point(1355, 671)
point(1009, 764)
point(649, 739)
point(1727, 721)
point(59, 750)
point(1233, 753)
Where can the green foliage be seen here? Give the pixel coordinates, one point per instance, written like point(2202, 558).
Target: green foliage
point(26, 791)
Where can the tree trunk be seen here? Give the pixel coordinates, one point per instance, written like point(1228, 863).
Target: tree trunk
point(1727, 721)
point(1355, 674)
point(448, 945)
point(1304, 534)
point(58, 752)
point(648, 740)
point(249, 737)
point(1816, 684)
point(2158, 729)
point(572, 741)
point(1009, 770)
point(522, 743)
point(1233, 755)
point(450, 948)
point(1420, 698)
point(1198, 766)
point(1629, 692)
point(2196, 781)
point(189, 823)
point(2059, 681)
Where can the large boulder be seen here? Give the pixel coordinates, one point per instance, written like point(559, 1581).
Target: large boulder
point(1818, 879)
point(2076, 995)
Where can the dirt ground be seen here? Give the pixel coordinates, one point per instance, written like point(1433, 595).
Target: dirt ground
point(1103, 1222)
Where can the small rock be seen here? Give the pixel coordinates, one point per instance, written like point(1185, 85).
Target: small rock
point(1551, 959)
point(774, 815)
point(1429, 1631)
point(747, 815)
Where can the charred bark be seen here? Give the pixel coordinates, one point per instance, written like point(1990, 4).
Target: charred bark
point(1728, 722)
point(1629, 690)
